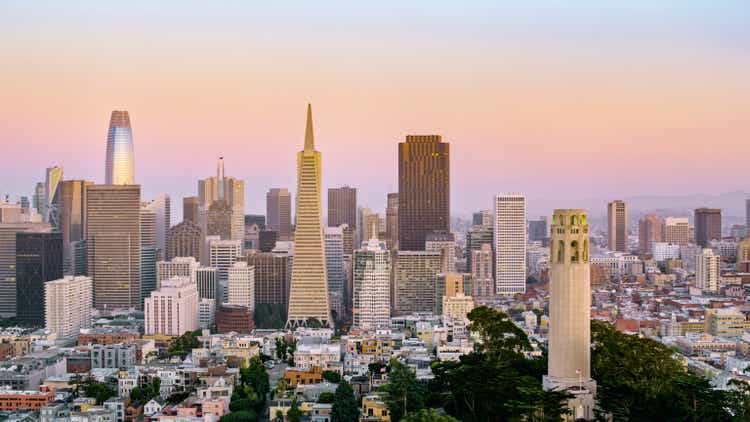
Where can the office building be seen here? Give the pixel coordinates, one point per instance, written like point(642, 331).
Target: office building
point(228, 189)
point(617, 226)
point(10, 213)
point(677, 230)
point(371, 286)
point(423, 189)
point(222, 255)
point(219, 220)
point(78, 264)
point(373, 225)
point(234, 318)
point(241, 285)
point(173, 309)
point(707, 270)
point(182, 266)
point(120, 159)
point(743, 256)
point(68, 304)
point(481, 271)
point(445, 243)
point(414, 278)
point(450, 285)
point(482, 218)
point(257, 219)
point(39, 199)
point(206, 313)
point(148, 271)
point(207, 281)
point(191, 210)
point(185, 239)
point(308, 298)
point(510, 244)
point(273, 276)
point(569, 356)
point(38, 260)
point(475, 238)
point(54, 177)
point(457, 307)
point(148, 226)
point(342, 206)
point(707, 225)
point(162, 208)
point(114, 244)
point(334, 251)
point(72, 215)
point(279, 212)
point(538, 230)
point(391, 221)
point(8, 232)
point(267, 240)
point(650, 230)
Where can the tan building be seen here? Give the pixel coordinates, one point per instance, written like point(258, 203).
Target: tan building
point(481, 272)
point(391, 221)
point(72, 218)
point(225, 188)
point(219, 220)
point(191, 209)
point(457, 306)
point(570, 312)
point(309, 289)
point(114, 244)
point(726, 322)
point(677, 230)
point(617, 226)
point(374, 409)
point(68, 305)
point(743, 254)
point(185, 239)
point(650, 230)
point(279, 212)
point(415, 276)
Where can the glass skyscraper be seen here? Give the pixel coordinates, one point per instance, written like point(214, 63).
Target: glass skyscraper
point(120, 158)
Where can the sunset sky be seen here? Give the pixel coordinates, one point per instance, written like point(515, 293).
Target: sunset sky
point(548, 99)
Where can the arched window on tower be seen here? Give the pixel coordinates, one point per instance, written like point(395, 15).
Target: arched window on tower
point(574, 252)
point(573, 220)
point(586, 250)
point(560, 252)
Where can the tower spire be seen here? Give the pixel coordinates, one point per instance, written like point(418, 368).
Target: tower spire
point(309, 138)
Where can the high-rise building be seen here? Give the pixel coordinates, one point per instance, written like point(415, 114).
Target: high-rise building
point(241, 285)
point(120, 160)
point(185, 239)
point(538, 229)
point(371, 286)
point(371, 223)
point(162, 208)
point(267, 240)
point(334, 251)
point(707, 270)
point(39, 199)
point(206, 313)
point(182, 266)
point(676, 230)
point(78, 264)
point(191, 210)
point(10, 213)
point(747, 216)
point(445, 243)
point(173, 309)
point(225, 188)
point(68, 304)
point(423, 189)
point(482, 218)
point(38, 260)
point(148, 226)
point(451, 285)
point(414, 278)
point(148, 271)
point(569, 354)
point(481, 271)
point(279, 212)
point(256, 219)
point(219, 220)
point(222, 255)
point(342, 206)
point(24, 203)
point(53, 179)
point(617, 226)
point(273, 275)
point(743, 256)
point(475, 238)
point(707, 225)
point(113, 232)
point(207, 280)
point(308, 298)
point(8, 232)
point(391, 221)
point(72, 215)
point(650, 230)
point(509, 238)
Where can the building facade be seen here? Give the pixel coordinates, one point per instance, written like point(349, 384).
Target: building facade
point(707, 225)
point(241, 285)
point(707, 270)
point(279, 212)
point(509, 238)
point(371, 286)
point(173, 309)
point(68, 304)
point(414, 278)
point(39, 259)
point(617, 226)
point(120, 159)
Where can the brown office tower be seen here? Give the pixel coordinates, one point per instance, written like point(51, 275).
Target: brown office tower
point(72, 214)
point(342, 207)
point(391, 221)
point(279, 212)
point(185, 239)
point(273, 274)
point(219, 220)
point(617, 226)
point(707, 225)
point(191, 209)
point(423, 189)
point(650, 230)
point(114, 244)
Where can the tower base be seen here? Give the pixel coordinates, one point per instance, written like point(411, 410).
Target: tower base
point(582, 404)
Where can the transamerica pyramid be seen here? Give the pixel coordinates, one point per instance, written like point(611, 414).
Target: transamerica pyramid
point(308, 297)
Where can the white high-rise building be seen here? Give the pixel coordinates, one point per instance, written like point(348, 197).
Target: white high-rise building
point(222, 254)
point(206, 313)
point(334, 244)
point(509, 237)
point(707, 270)
point(241, 285)
point(161, 206)
point(663, 251)
point(371, 285)
point(173, 309)
point(208, 283)
point(445, 243)
point(180, 266)
point(68, 305)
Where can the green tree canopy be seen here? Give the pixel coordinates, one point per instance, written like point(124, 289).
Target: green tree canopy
point(332, 377)
point(428, 415)
point(403, 393)
point(326, 397)
point(294, 414)
point(345, 408)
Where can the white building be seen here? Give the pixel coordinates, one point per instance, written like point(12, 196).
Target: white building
point(178, 267)
point(663, 251)
point(371, 285)
point(68, 305)
point(707, 270)
point(445, 243)
point(221, 255)
point(509, 237)
point(334, 245)
point(457, 307)
point(206, 313)
point(311, 351)
point(241, 285)
point(173, 309)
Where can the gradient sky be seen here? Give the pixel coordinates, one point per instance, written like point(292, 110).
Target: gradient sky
point(549, 99)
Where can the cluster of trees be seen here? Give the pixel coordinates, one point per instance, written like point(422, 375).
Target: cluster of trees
point(143, 394)
point(184, 344)
point(249, 397)
point(269, 316)
point(100, 392)
point(285, 349)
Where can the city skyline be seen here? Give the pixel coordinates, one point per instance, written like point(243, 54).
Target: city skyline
point(489, 89)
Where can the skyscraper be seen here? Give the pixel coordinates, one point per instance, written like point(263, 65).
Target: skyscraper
point(148, 226)
point(54, 177)
point(481, 271)
point(414, 278)
point(191, 210)
point(707, 225)
point(177, 267)
point(509, 237)
point(334, 246)
point(391, 221)
point(162, 207)
point(173, 309)
point(569, 358)
point(279, 212)
point(273, 275)
point(222, 254)
point(483, 218)
point(39, 199)
point(371, 285)
point(707, 270)
point(650, 230)
point(219, 220)
point(120, 160)
point(241, 285)
point(308, 298)
point(423, 189)
point(445, 243)
point(72, 218)
point(677, 230)
point(38, 260)
point(225, 188)
point(68, 305)
point(113, 233)
point(185, 239)
point(8, 231)
point(342, 206)
point(617, 226)
point(475, 238)
point(538, 229)
point(148, 250)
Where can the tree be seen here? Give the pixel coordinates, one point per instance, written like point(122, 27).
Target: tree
point(241, 416)
point(345, 408)
point(184, 344)
point(294, 414)
point(143, 394)
point(332, 377)
point(403, 393)
point(256, 376)
point(100, 392)
point(428, 415)
point(326, 397)
point(501, 338)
